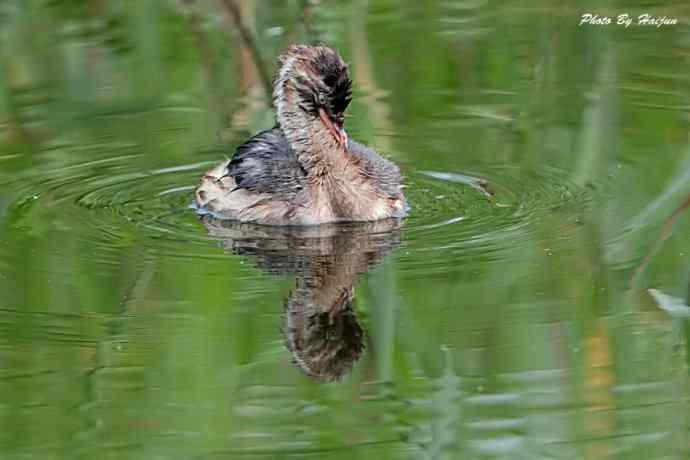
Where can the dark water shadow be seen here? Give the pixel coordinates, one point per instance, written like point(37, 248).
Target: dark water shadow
point(319, 322)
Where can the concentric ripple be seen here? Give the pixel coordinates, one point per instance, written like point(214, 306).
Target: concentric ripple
point(487, 210)
point(478, 211)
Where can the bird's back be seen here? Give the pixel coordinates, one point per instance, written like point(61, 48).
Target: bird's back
point(267, 164)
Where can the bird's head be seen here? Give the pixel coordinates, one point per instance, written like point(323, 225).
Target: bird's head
point(313, 81)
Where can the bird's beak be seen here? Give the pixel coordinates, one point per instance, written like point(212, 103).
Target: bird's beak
point(338, 132)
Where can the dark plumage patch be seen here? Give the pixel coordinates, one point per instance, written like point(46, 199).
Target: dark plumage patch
point(341, 95)
point(333, 72)
point(267, 164)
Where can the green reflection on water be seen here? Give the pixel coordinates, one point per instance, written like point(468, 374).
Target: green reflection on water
point(547, 167)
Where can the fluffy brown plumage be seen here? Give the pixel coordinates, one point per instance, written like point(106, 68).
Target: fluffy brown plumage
point(305, 170)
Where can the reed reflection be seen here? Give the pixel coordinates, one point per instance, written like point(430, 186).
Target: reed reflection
point(319, 322)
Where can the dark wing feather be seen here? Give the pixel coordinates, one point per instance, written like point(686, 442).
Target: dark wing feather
point(267, 164)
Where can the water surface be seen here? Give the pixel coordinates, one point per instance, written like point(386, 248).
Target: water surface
point(509, 316)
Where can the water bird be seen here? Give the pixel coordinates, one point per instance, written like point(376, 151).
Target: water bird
point(305, 170)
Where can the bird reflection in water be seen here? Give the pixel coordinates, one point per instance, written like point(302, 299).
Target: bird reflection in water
point(319, 323)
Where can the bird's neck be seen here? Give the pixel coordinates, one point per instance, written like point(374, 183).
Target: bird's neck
point(315, 147)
